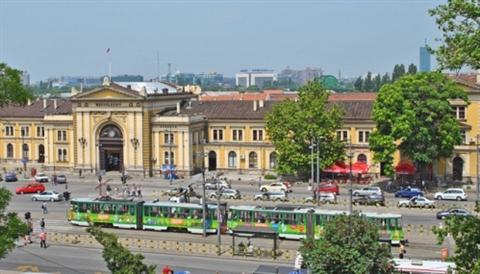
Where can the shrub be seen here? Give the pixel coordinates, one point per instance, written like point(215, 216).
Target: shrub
point(270, 177)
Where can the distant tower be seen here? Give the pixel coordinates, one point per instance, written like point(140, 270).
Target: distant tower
point(169, 75)
point(425, 65)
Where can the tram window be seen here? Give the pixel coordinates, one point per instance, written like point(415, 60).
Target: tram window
point(95, 208)
point(82, 208)
point(260, 217)
point(275, 218)
point(123, 209)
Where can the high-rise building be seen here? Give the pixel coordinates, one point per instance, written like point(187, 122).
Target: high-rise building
point(425, 65)
point(256, 77)
point(25, 78)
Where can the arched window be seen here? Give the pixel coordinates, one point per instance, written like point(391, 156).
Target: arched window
point(25, 151)
point(273, 160)
point(362, 158)
point(41, 153)
point(232, 159)
point(252, 160)
point(64, 155)
point(9, 151)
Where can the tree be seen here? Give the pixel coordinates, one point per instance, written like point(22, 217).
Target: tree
point(377, 82)
point(412, 69)
point(119, 259)
point(291, 127)
point(466, 233)
point(358, 84)
point(459, 22)
point(414, 116)
point(368, 83)
point(349, 244)
point(398, 72)
point(11, 88)
point(385, 79)
point(11, 227)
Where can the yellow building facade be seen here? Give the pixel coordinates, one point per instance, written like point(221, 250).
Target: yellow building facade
point(143, 130)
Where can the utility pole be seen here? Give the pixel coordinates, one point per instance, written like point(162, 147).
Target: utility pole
point(350, 156)
point(219, 219)
point(312, 146)
point(170, 166)
point(204, 202)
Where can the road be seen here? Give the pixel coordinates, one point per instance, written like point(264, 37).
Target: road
point(74, 260)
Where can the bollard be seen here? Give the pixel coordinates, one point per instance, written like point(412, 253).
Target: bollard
point(190, 247)
point(421, 229)
point(203, 249)
point(177, 246)
point(164, 245)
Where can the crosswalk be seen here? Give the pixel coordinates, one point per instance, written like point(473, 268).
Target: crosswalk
point(55, 225)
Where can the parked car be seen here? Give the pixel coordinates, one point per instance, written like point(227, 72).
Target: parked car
point(176, 191)
point(408, 193)
point(30, 188)
point(416, 202)
point(274, 187)
point(226, 193)
point(214, 184)
point(271, 196)
point(10, 177)
point(323, 197)
point(328, 187)
point(451, 194)
point(41, 178)
point(61, 179)
point(47, 196)
point(177, 199)
point(453, 212)
point(368, 190)
point(372, 199)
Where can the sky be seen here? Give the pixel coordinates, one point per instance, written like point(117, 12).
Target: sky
point(54, 38)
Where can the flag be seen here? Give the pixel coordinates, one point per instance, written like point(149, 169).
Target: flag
point(108, 50)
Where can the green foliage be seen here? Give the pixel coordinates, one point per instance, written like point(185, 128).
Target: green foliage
point(119, 259)
point(358, 84)
point(270, 177)
point(459, 22)
point(412, 69)
point(414, 116)
point(385, 79)
point(11, 227)
point(349, 244)
point(367, 82)
point(398, 72)
point(291, 126)
point(466, 234)
point(11, 87)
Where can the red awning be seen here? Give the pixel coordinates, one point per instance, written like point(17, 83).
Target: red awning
point(359, 168)
point(338, 167)
point(405, 168)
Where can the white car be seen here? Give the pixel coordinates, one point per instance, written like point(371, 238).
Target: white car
point(274, 187)
point(216, 184)
point(324, 198)
point(51, 196)
point(451, 194)
point(41, 178)
point(418, 201)
point(367, 191)
point(271, 196)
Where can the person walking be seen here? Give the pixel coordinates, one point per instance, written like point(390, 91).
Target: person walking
point(42, 224)
point(167, 270)
point(139, 192)
point(30, 230)
point(44, 208)
point(43, 239)
point(401, 251)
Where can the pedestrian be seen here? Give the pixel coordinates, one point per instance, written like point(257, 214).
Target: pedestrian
point(54, 179)
point(109, 188)
point(30, 230)
point(44, 208)
point(167, 270)
point(42, 224)
point(43, 239)
point(401, 250)
point(139, 192)
point(423, 185)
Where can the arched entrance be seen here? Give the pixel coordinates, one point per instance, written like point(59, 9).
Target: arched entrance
point(212, 160)
point(457, 173)
point(110, 145)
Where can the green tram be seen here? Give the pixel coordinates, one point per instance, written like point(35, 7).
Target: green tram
point(289, 221)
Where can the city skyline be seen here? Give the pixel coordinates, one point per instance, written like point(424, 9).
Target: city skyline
point(53, 38)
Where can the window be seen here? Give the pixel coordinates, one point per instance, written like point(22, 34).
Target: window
point(9, 151)
point(342, 135)
point(273, 160)
point(252, 160)
point(61, 135)
point(9, 131)
point(463, 133)
point(362, 158)
point(40, 131)
point(24, 131)
point(258, 135)
point(62, 155)
point(25, 151)
point(232, 159)
point(459, 112)
point(363, 136)
point(168, 138)
point(169, 158)
point(237, 135)
point(218, 134)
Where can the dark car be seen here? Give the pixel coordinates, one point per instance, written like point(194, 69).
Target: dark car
point(10, 177)
point(373, 199)
point(408, 193)
point(61, 179)
point(453, 212)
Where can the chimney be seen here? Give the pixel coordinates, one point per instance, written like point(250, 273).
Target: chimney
point(254, 105)
point(44, 103)
point(54, 103)
point(178, 107)
point(260, 104)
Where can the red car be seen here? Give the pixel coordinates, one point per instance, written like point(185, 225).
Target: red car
point(30, 188)
point(328, 187)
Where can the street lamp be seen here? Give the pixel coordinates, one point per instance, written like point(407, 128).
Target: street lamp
point(135, 144)
point(350, 156)
point(219, 219)
point(83, 143)
point(204, 202)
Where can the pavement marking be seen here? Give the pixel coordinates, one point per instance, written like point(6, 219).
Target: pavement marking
point(25, 268)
